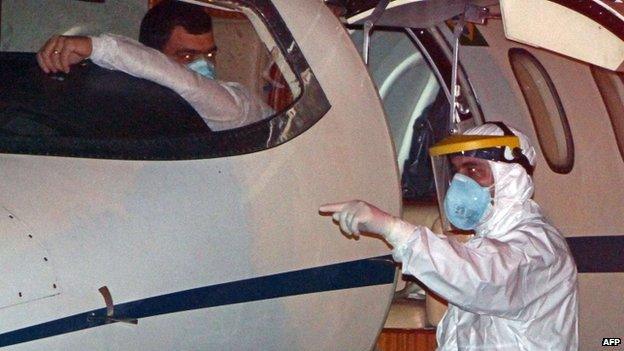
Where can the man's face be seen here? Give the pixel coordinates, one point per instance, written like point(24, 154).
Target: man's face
point(186, 48)
point(477, 169)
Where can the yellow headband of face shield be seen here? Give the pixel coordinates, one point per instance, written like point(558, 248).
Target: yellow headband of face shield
point(459, 143)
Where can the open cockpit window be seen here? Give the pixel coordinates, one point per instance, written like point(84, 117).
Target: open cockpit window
point(111, 112)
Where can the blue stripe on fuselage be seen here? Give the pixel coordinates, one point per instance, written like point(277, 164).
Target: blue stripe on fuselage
point(367, 272)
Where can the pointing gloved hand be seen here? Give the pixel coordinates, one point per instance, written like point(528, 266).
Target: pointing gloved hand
point(358, 216)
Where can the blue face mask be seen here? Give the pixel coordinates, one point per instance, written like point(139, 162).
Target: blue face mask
point(204, 67)
point(466, 202)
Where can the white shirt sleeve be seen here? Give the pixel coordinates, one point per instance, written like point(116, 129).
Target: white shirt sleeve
point(222, 105)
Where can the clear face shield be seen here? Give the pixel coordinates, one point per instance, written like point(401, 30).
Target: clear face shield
point(463, 177)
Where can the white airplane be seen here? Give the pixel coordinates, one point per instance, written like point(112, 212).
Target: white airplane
point(127, 224)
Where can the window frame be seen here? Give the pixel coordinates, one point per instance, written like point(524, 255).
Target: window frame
point(608, 94)
point(307, 109)
point(568, 164)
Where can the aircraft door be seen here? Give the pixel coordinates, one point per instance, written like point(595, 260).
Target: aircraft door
point(414, 103)
point(28, 271)
point(412, 72)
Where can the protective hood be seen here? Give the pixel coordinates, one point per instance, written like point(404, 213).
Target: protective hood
point(513, 188)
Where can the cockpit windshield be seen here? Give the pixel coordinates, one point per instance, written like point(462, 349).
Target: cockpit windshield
point(112, 96)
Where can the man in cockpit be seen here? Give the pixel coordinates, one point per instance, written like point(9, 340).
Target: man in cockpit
point(177, 50)
point(513, 286)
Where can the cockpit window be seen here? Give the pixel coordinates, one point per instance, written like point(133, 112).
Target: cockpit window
point(97, 112)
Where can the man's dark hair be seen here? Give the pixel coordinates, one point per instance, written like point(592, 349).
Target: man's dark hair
point(161, 19)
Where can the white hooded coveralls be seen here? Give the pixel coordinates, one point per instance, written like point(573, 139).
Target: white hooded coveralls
point(511, 287)
point(222, 105)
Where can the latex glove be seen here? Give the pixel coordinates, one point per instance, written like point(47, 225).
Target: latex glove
point(358, 216)
point(60, 52)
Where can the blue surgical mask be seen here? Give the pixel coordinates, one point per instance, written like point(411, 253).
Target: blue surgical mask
point(466, 202)
point(203, 67)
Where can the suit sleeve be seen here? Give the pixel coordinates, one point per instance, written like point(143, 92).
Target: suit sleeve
point(483, 276)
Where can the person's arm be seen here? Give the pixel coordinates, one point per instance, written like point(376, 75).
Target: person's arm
point(484, 276)
point(222, 105)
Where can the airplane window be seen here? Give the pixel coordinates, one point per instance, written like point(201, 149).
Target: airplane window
point(103, 113)
point(611, 87)
point(415, 105)
point(546, 109)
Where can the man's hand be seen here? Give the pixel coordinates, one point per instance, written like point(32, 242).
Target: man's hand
point(358, 216)
point(60, 52)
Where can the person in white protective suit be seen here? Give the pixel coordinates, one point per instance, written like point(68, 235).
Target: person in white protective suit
point(177, 51)
point(513, 286)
